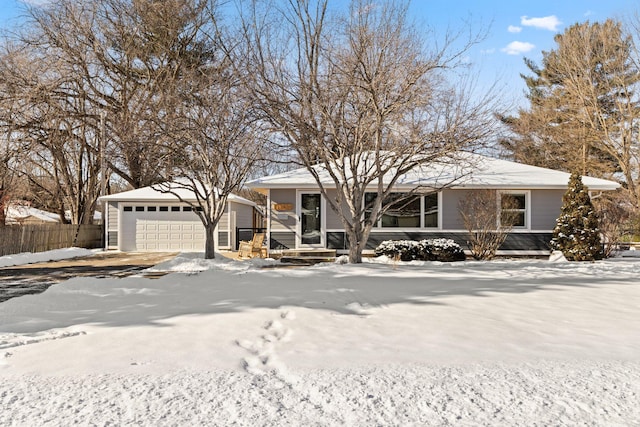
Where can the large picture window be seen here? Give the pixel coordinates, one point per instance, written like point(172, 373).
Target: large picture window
point(414, 211)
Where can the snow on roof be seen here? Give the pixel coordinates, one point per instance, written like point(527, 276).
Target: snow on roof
point(18, 213)
point(153, 194)
point(471, 171)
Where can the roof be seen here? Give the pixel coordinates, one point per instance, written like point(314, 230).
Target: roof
point(469, 171)
point(153, 194)
point(18, 213)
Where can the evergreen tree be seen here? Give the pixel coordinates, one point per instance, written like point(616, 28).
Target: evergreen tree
point(584, 106)
point(576, 233)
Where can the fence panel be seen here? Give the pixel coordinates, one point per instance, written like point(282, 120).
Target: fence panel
point(45, 237)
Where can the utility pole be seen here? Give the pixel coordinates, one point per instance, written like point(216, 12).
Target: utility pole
point(103, 177)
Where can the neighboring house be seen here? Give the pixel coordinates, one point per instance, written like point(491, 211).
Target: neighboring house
point(298, 217)
point(25, 215)
point(150, 220)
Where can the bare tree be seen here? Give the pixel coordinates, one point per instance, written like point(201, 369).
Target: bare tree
point(488, 217)
point(362, 99)
point(214, 132)
point(41, 115)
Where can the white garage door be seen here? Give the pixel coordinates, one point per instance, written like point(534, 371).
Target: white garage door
point(158, 235)
point(161, 228)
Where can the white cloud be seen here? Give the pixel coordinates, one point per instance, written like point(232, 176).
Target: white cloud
point(488, 51)
point(547, 23)
point(514, 29)
point(517, 48)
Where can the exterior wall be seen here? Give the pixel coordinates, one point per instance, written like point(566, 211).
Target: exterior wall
point(112, 225)
point(451, 219)
point(283, 220)
point(545, 208)
point(333, 221)
point(244, 215)
point(223, 224)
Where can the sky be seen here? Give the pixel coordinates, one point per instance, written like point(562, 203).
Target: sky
point(515, 29)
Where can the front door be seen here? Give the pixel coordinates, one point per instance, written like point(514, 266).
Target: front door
point(311, 220)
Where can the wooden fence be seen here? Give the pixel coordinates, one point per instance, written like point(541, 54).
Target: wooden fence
point(44, 237)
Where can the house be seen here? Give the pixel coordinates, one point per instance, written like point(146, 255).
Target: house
point(147, 219)
point(298, 217)
point(23, 214)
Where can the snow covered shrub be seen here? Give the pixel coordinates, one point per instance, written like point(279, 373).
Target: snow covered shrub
point(576, 233)
point(405, 250)
point(445, 250)
point(427, 250)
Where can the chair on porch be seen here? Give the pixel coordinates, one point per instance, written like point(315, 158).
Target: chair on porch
point(253, 248)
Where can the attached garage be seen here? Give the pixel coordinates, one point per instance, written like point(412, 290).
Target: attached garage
point(146, 220)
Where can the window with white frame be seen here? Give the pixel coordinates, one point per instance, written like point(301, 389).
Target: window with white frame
point(404, 211)
point(513, 209)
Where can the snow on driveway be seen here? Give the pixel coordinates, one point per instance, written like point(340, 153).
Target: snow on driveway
point(223, 342)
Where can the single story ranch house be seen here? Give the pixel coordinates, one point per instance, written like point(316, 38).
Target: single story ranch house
point(298, 217)
point(147, 219)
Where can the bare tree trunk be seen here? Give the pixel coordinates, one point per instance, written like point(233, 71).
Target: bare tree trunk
point(210, 243)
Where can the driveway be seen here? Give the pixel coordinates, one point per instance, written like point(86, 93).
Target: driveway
point(35, 278)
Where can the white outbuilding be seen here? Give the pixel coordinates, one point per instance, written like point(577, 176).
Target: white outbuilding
point(149, 220)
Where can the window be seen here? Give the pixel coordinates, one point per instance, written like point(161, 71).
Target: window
point(406, 212)
point(431, 210)
point(199, 209)
point(175, 208)
point(402, 212)
point(513, 209)
point(128, 208)
point(186, 209)
point(164, 208)
point(139, 208)
point(151, 208)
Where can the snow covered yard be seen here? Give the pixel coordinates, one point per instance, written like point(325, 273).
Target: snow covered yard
point(226, 342)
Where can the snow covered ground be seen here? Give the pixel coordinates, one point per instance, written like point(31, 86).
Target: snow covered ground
point(239, 343)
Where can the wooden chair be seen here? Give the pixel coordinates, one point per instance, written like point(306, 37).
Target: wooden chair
point(253, 247)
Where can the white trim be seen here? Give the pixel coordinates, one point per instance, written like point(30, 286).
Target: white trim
point(323, 219)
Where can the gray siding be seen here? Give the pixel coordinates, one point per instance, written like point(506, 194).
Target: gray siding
point(112, 239)
point(283, 220)
point(223, 224)
point(283, 240)
point(333, 220)
point(223, 239)
point(451, 219)
point(545, 208)
point(244, 215)
point(112, 215)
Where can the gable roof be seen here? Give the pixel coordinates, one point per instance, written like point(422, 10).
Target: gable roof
point(153, 194)
point(471, 171)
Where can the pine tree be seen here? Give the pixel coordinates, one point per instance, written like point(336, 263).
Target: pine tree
point(576, 233)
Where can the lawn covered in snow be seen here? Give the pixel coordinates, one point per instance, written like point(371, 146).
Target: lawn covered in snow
point(525, 342)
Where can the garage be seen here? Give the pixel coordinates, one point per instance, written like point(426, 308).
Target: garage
point(146, 220)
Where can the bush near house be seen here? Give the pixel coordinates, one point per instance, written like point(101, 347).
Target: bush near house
point(445, 250)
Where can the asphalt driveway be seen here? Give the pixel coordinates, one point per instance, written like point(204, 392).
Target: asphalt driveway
point(35, 278)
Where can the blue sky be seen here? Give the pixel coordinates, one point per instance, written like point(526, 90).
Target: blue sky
point(515, 28)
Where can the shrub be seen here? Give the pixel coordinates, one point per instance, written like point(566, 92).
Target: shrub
point(427, 250)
